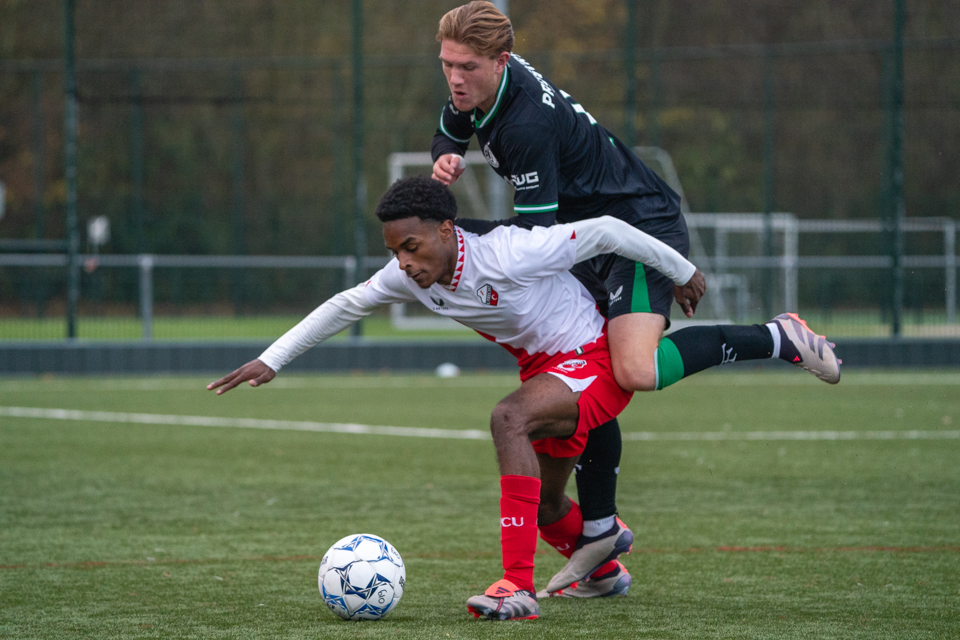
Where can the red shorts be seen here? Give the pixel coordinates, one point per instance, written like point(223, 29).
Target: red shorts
point(589, 371)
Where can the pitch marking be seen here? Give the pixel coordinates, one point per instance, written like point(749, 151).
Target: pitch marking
point(506, 381)
point(465, 434)
point(241, 423)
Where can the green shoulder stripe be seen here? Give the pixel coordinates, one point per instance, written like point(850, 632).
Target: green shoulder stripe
point(496, 105)
point(447, 133)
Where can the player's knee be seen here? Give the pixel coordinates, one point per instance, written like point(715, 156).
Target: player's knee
point(507, 421)
point(634, 376)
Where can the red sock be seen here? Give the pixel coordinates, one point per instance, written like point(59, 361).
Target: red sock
point(604, 568)
point(562, 535)
point(519, 500)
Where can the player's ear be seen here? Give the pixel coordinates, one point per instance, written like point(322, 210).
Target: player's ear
point(445, 230)
point(502, 60)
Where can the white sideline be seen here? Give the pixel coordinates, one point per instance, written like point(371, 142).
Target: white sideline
point(465, 434)
point(241, 423)
point(504, 381)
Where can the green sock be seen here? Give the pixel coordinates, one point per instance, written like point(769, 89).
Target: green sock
point(669, 364)
point(691, 350)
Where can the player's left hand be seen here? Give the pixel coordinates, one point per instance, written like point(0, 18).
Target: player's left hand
point(688, 295)
point(256, 371)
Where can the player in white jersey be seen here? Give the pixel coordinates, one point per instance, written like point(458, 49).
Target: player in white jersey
point(513, 286)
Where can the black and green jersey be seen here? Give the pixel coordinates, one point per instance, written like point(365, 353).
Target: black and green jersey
point(563, 165)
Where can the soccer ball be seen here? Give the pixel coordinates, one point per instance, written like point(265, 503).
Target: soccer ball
point(362, 577)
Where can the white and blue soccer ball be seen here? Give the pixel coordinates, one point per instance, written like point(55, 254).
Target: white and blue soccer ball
point(362, 577)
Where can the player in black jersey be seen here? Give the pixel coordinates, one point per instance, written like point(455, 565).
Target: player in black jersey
point(564, 167)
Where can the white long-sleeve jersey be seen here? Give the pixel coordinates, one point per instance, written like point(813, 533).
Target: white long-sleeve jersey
point(511, 285)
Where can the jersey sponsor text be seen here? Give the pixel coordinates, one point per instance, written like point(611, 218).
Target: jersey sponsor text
point(522, 181)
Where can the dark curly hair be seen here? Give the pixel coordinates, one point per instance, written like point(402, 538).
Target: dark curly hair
point(417, 196)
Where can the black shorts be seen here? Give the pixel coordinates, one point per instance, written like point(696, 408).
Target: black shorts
point(621, 286)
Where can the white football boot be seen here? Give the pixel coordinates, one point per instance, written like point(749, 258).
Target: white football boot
point(591, 554)
point(613, 583)
point(815, 351)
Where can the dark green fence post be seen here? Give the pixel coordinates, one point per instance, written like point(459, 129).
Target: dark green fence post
point(70, 169)
point(360, 182)
point(237, 204)
point(39, 169)
point(630, 73)
point(136, 163)
point(655, 98)
point(339, 146)
point(896, 169)
point(39, 149)
point(768, 183)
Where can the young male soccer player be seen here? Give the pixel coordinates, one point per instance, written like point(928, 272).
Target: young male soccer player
point(566, 167)
point(513, 286)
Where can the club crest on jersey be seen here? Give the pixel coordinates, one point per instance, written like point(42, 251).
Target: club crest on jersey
point(491, 159)
point(488, 296)
point(571, 365)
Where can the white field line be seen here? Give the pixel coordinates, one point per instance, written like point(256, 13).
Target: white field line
point(506, 381)
point(241, 423)
point(465, 434)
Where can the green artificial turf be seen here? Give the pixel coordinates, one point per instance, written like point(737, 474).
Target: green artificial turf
point(204, 327)
point(115, 530)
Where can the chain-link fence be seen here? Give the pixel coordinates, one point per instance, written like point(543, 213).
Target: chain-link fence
point(226, 129)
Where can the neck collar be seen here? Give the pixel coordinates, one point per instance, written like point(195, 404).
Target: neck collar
point(482, 122)
point(458, 270)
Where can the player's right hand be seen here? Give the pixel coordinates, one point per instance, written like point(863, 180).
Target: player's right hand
point(256, 371)
point(448, 168)
point(688, 295)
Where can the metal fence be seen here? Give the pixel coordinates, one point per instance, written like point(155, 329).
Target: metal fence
point(184, 297)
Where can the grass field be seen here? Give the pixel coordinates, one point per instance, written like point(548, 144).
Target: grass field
point(111, 528)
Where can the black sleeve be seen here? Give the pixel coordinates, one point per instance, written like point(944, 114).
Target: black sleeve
point(443, 145)
point(454, 133)
point(534, 155)
point(526, 221)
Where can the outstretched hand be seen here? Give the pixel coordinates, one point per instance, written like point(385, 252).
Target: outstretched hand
point(688, 295)
point(256, 371)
